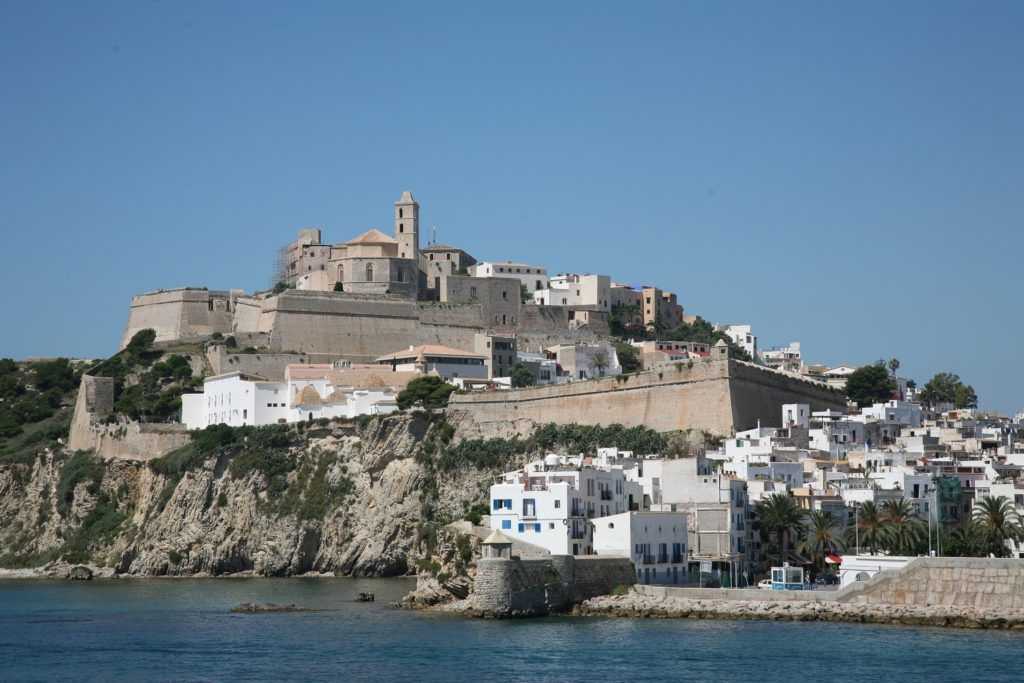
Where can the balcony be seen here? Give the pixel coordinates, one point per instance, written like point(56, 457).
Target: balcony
point(662, 558)
point(677, 558)
point(606, 494)
point(647, 559)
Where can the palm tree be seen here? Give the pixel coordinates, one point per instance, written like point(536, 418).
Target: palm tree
point(822, 538)
point(870, 529)
point(998, 522)
point(964, 541)
point(779, 514)
point(903, 531)
point(894, 365)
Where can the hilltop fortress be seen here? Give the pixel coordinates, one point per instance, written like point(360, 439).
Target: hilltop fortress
point(375, 294)
point(369, 296)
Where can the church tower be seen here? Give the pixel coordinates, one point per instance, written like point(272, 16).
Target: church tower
point(407, 227)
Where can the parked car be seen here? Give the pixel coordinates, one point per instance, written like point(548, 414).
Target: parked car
point(765, 584)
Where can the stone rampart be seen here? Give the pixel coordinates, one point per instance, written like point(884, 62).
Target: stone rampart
point(266, 364)
point(180, 314)
point(979, 583)
point(356, 327)
point(516, 587)
point(712, 394)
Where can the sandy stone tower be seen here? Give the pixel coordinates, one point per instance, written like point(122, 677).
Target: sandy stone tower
point(407, 227)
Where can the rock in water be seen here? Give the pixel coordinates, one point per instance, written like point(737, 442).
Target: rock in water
point(80, 573)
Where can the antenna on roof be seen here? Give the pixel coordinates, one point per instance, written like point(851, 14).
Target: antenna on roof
point(433, 234)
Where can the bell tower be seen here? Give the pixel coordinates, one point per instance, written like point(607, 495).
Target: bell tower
point(407, 227)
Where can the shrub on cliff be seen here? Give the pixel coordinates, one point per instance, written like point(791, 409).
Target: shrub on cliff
point(429, 392)
point(82, 466)
point(588, 438)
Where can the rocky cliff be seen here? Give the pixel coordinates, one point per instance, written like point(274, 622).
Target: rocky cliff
point(360, 499)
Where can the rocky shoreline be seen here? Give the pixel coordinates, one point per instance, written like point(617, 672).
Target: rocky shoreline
point(635, 605)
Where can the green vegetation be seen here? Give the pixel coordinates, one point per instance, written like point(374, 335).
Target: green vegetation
point(625, 323)
point(427, 392)
point(780, 515)
point(35, 400)
point(82, 466)
point(870, 384)
point(522, 377)
point(946, 387)
point(629, 357)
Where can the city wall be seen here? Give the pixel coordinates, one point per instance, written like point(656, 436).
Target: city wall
point(715, 395)
point(127, 440)
point(181, 314)
point(516, 587)
point(356, 327)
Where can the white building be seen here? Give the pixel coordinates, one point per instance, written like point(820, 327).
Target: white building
point(786, 358)
point(655, 541)
point(899, 412)
point(742, 336)
point(796, 415)
point(571, 289)
point(856, 568)
point(550, 503)
point(309, 392)
point(436, 359)
point(532, 277)
point(587, 360)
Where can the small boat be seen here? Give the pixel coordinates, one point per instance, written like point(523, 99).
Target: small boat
point(364, 597)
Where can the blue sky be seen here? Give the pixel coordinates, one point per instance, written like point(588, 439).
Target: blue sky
point(847, 176)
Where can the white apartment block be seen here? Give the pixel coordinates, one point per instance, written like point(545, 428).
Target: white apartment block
point(534, 278)
point(550, 502)
point(787, 358)
point(571, 289)
point(900, 412)
point(655, 541)
point(742, 336)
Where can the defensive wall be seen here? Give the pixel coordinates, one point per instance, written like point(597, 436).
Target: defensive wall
point(127, 440)
point(717, 395)
point(977, 583)
point(518, 587)
point(358, 327)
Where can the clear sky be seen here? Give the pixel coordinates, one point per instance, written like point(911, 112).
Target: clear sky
point(851, 176)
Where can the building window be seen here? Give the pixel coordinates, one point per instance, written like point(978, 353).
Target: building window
point(401, 228)
point(401, 213)
point(521, 527)
point(369, 272)
point(506, 524)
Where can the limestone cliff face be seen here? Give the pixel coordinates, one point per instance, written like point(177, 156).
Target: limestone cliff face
point(352, 501)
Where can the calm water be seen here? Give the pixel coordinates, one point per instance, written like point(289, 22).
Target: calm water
point(183, 630)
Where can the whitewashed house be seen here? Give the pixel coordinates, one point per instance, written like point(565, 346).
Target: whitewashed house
point(655, 541)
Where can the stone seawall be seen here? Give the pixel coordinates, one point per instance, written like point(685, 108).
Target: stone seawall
point(953, 591)
point(716, 395)
point(516, 587)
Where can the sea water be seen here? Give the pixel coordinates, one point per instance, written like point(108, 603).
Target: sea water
point(184, 630)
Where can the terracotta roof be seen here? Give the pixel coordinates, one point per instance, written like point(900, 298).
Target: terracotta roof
point(440, 247)
point(308, 370)
point(372, 236)
point(430, 350)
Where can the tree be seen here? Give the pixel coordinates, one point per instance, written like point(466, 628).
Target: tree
point(870, 384)
point(946, 387)
point(524, 294)
point(822, 538)
point(339, 287)
point(429, 392)
point(998, 523)
point(870, 528)
point(903, 531)
point(600, 361)
point(629, 357)
point(522, 376)
point(779, 514)
point(54, 374)
point(894, 365)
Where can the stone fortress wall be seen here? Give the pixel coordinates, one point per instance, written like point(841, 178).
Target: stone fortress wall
point(518, 587)
point(717, 395)
point(129, 441)
point(357, 327)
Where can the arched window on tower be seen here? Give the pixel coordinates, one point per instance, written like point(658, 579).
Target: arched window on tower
point(369, 272)
point(400, 228)
point(400, 213)
point(341, 273)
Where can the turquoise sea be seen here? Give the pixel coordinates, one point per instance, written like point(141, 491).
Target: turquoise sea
point(183, 630)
